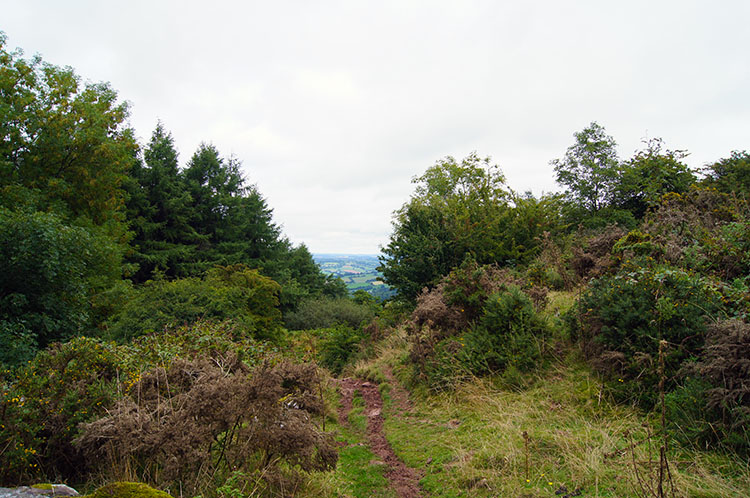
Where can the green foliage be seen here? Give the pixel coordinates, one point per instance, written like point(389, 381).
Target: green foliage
point(650, 174)
point(65, 147)
point(158, 207)
point(327, 312)
point(626, 315)
point(730, 174)
point(204, 338)
point(510, 334)
point(187, 222)
point(234, 292)
point(467, 288)
point(457, 209)
point(338, 345)
point(44, 401)
point(477, 321)
point(589, 169)
point(49, 272)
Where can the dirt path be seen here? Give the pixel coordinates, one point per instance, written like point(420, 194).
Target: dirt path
point(404, 480)
point(399, 395)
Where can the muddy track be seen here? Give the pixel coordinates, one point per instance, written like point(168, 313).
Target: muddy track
point(404, 480)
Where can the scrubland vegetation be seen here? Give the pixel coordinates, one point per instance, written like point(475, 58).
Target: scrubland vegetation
point(157, 327)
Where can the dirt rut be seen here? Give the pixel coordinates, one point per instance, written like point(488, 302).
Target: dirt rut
point(404, 480)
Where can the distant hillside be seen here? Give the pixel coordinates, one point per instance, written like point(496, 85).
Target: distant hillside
point(358, 271)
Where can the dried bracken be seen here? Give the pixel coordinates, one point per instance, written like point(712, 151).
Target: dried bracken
point(726, 365)
point(197, 418)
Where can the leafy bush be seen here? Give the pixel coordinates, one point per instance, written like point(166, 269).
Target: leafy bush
point(327, 312)
point(215, 340)
point(44, 401)
point(48, 272)
point(234, 292)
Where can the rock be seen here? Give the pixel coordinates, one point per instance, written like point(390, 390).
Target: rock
point(37, 491)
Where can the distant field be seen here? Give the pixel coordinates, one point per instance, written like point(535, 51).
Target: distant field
point(357, 271)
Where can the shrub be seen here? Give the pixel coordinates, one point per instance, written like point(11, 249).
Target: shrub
point(338, 345)
point(463, 309)
point(44, 401)
point(624, 316)
point(510, 334)
point(327, 312)
point(196, 419)
point(207, 339)
point(234, 292)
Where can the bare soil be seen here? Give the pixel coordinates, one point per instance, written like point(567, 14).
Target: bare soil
point(398, 394)
point(404, 480)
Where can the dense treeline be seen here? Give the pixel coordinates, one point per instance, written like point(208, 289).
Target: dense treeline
point(87, 215)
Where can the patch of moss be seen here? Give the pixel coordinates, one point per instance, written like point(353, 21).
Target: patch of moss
point(42, 485)
point(127, 490)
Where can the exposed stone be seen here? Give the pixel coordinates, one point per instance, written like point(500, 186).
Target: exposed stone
point(37, 491)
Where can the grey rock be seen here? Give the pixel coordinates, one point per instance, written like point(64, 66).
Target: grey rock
point(29, 492)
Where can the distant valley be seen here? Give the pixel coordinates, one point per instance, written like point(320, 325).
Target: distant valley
point(358, 271)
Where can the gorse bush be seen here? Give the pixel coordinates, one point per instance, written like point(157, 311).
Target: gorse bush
point(510, 333)
point(478, 321)
point(203, 338)
point(626, 315)
point(338, 345)
point(181, 426)
point(44, 401)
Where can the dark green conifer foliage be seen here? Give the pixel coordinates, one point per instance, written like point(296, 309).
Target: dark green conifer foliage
point(159, 210)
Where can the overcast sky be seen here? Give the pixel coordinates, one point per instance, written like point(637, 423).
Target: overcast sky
point(333, 107)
